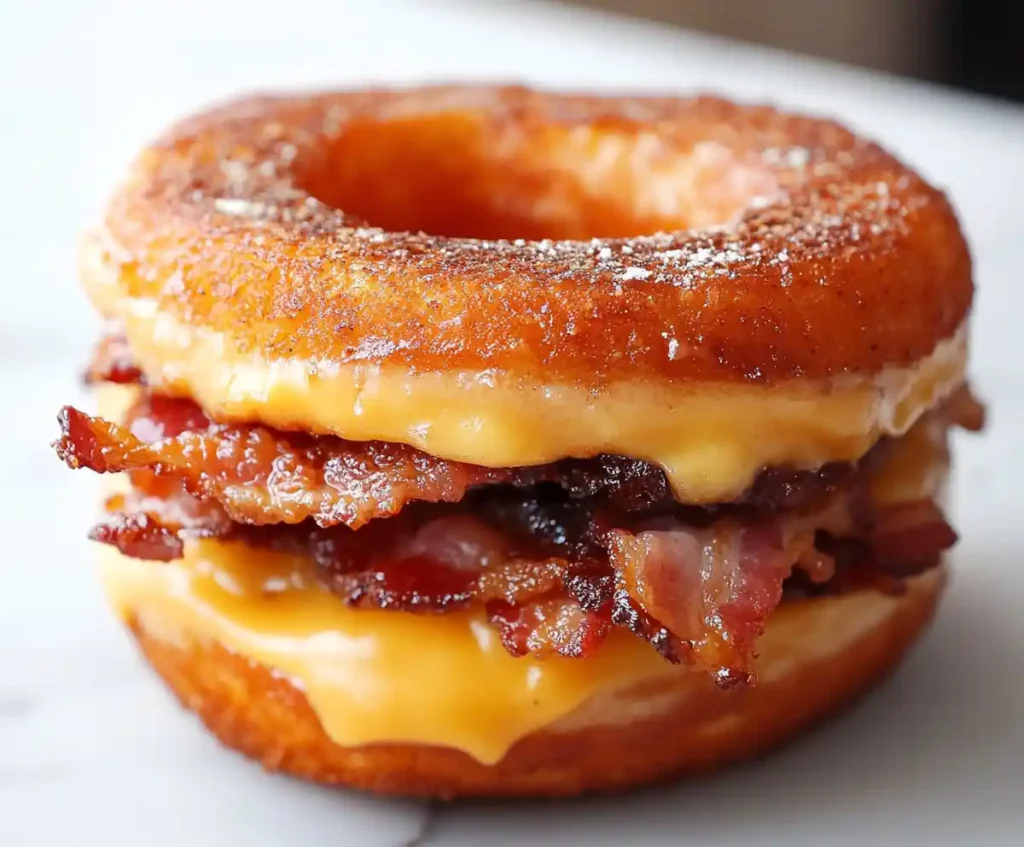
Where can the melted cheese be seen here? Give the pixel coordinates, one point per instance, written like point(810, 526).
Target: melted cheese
point(362, 670)
point(710, 439)
point(369, 675)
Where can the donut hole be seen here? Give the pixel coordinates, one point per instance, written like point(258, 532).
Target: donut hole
point(457, 175)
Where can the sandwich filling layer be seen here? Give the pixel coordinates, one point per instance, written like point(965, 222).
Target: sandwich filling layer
point(374, 677)
point(711, 440)
point(556, 556)
point(556, 580)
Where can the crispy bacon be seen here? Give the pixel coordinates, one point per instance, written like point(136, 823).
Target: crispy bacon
point(901, 540)
point(556, 555)
point(112, 361)
point(551, 584)
point(711, 589)
point(167, 500)
point(422, 563)
point(553, 577)
point(154, 517)
point(555, 624)
point(139, 535)
point(262, 476)
point(907, 537)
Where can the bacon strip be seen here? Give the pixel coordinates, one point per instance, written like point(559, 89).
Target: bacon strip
point(556, 624)
point(141, 536)
point(711, 588)
point(556, 554)
point(907, 537)
point(423, 563)
point(112, 361)
point(553, 585)
point(264, 477)
point(554, 579)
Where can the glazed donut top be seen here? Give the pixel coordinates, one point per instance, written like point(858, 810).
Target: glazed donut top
point(475, 238)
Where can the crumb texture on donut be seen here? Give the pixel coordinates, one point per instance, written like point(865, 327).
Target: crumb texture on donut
point(676, 239)
point(652, 731)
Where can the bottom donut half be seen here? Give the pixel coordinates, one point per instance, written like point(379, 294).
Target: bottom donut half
point(815, 657)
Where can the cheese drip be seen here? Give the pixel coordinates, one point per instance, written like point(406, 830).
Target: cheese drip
point(369, 675)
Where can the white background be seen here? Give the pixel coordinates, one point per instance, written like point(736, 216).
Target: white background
point(91, 747)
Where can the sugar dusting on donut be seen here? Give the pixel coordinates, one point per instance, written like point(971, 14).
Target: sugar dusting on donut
point(797, 249)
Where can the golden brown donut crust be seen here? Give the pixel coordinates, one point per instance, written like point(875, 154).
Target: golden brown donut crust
point(830, 256)
point(269, 720)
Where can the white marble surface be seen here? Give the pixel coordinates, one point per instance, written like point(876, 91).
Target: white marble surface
point(91, 747)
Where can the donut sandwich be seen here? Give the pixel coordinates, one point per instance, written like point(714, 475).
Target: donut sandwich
point(482, 441)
